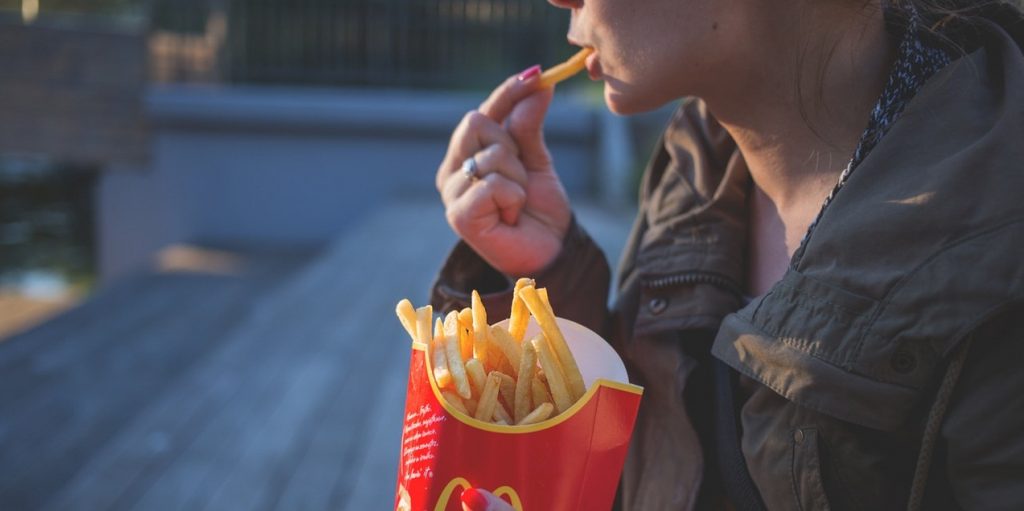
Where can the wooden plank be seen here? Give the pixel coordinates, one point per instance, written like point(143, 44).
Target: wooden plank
point(374, 484)
point(260, 430)
point(92, 387)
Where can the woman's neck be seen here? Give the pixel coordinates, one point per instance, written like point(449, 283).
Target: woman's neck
point(797, 119)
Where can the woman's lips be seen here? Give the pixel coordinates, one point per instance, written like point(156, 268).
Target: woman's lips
point(593, 66)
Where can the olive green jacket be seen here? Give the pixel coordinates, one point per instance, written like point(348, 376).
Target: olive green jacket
point(921, 252)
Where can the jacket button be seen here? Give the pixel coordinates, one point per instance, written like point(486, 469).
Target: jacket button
point(657, 305)
point(903, 361)
point(798, 436)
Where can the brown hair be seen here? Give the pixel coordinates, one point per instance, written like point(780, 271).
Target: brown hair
point(951, 21)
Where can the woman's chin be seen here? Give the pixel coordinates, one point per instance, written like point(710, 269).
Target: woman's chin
point(623, 103)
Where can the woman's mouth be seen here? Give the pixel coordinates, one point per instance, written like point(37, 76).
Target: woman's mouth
point(594, 66)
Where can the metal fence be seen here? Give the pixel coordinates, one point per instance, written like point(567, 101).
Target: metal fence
point(369, 43)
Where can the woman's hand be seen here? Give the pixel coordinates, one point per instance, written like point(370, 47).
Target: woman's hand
point(514, 211)
point(482, 500)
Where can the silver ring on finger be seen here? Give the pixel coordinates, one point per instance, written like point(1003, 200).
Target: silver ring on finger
point(470, 169)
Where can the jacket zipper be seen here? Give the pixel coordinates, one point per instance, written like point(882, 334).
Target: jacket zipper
point(694, 277)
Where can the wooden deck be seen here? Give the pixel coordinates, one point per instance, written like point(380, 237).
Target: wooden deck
point(275, 383)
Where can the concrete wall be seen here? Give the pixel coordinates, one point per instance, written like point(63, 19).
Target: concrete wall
point(287, 167)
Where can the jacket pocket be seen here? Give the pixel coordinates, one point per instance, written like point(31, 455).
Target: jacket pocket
point(805, 470)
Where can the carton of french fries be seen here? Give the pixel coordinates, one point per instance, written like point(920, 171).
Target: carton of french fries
point(536, 409)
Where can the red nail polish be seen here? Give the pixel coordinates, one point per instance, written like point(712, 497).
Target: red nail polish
point(474, 499)
point(530, 72)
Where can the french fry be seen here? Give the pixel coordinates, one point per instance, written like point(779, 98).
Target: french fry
point(454, 400)
point(501, 414)
point(488, 398)
point(480, 328)
point(503, 364)
point(423, 316)
point(407, 316)
point(556, 381)
point(507, 389)
point(527, 368)
point(543, 294)
point(539, 391)
point(566, 69)
point(501, 422)
point(466, 332)
point(541, 413)
point(508, 346)
point(442, 375)
point(456, 368)
point(477, 375)
point(495, 358)
point(520, 315)
point(470, 405)
point(546, 319)
point(451, 324)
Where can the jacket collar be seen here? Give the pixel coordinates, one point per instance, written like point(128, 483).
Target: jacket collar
point(921, 246)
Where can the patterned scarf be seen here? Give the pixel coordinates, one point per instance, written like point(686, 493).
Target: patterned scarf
point(916, 62)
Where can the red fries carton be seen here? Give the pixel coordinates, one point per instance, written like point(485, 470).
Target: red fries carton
point(570, 461)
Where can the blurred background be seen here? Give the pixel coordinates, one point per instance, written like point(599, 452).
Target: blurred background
point(208, 209)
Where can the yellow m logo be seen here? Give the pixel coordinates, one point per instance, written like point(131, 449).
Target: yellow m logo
point(461, 483)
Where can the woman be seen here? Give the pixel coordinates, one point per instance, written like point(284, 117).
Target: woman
point(822, 292)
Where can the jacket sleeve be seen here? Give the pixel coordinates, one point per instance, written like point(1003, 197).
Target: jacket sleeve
point(983, 431)
point(577, 282)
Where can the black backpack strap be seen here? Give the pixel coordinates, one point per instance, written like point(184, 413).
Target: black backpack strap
point(735, 477)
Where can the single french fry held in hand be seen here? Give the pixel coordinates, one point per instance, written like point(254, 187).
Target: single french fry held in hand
point(556, 381)
point(527, 368)
point(566, 69)
point(488, 398)
point(546, 320)
point(541, 413)
point(520, 315)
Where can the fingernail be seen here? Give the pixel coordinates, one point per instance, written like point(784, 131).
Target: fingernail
point(474, 499)
point(530, 72)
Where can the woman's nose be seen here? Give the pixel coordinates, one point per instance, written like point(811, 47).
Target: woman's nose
point(566, 4)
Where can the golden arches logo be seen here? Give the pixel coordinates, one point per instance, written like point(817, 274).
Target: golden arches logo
point(462, 483)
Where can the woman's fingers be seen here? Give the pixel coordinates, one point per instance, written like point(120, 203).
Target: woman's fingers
point(524, 104)
point(475, 132)
point(504, 98)
point(482, 500)
point(484, 203)
point(526, 125)
point(494, 159)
